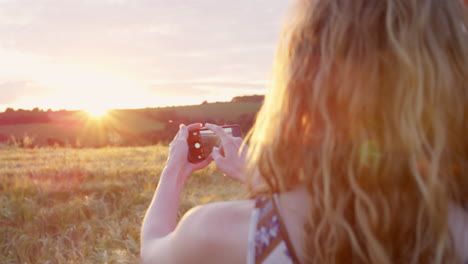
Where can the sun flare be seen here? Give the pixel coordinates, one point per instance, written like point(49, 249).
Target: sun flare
point(97, 113)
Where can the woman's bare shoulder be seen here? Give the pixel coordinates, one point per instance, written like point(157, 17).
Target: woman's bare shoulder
point(214, 233)
point(458, 222)
point(224, 208)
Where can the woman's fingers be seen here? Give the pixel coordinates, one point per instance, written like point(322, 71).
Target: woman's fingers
point(228, 156)
point(184, 130)
point(202, 164)
point(218, 131)
point(216, 154)
point(194, 126)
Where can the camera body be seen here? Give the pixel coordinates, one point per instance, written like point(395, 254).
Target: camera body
point(202, 141)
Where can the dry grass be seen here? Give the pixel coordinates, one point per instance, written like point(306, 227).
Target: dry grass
point(86, 205)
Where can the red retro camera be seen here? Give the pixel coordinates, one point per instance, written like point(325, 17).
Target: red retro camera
point(201, 141)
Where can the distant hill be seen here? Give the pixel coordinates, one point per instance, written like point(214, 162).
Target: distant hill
point(123, 127)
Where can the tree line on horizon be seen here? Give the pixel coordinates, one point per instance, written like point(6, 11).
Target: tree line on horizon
point(170, 117)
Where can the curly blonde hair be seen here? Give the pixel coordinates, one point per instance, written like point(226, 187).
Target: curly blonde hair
point(368, 109)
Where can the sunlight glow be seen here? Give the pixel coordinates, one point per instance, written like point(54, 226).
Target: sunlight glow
point(97, 89)
point(97, 113)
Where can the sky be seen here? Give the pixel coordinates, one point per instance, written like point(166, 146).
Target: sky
point(107, 54)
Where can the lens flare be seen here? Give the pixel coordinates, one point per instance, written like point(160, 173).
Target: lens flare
point(97, 112)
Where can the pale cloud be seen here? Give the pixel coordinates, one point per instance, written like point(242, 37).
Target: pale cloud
point(140, 41)
point(205, 87)
point(13, 91)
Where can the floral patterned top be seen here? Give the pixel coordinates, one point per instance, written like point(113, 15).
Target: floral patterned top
point(268, 239)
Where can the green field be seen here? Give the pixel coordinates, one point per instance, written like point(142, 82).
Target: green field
point(216, 111)
point(64, 205)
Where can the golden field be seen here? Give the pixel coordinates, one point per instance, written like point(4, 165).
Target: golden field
point(64, 205)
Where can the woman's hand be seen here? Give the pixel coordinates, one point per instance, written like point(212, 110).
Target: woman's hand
point(177, 160)
point(230, 159)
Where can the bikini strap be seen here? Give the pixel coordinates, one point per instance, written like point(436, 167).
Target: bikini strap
point(286, 238)
point(268, 232)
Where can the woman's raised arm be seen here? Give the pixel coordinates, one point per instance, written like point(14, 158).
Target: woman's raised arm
point(161, 217)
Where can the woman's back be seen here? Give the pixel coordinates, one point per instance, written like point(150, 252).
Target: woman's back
point(228, 228)
point(220, 232)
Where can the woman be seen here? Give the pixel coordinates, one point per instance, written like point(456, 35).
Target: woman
point(361, 147)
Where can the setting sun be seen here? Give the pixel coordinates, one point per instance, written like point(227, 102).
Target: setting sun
point(96, 112)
